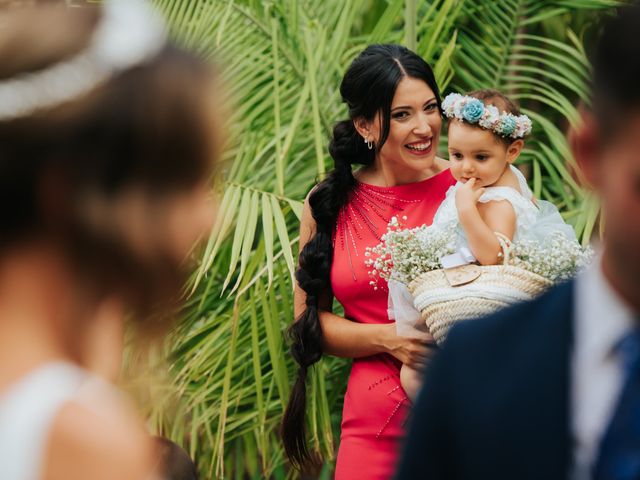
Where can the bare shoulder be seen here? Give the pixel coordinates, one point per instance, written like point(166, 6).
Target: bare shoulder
point(499, 216)
point(307, 199)
point(496, 207)
point(86, 444)
point(442, 164)
point(307, 222)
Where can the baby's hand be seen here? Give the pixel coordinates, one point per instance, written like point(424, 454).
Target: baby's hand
point(468, 195)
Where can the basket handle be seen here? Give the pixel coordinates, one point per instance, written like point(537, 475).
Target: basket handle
point(507, 247)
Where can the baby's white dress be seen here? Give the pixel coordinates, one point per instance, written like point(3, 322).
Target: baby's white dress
point(535, 220)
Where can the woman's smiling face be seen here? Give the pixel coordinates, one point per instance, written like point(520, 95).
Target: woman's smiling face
point(414, 129)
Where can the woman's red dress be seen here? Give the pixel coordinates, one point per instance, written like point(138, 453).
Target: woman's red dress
point(375, 406)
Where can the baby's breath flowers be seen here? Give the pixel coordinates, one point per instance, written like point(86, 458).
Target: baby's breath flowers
point(405, 253)
point(556, 257)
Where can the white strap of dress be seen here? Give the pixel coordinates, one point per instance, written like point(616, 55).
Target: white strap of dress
point(522, 183)
point(27, 411)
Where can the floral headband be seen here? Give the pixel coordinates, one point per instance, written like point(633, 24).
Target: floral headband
point(474, 111)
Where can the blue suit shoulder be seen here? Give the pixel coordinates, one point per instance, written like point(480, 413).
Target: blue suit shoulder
point(499, 384)
point(516, 323)
point(522, 333)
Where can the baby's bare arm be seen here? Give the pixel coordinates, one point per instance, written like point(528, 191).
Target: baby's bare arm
point(481, 221)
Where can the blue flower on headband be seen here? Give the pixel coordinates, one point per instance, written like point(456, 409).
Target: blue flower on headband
point(473, 110)
point(508, 125)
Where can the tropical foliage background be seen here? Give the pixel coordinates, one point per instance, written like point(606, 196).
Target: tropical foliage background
point(283, 61)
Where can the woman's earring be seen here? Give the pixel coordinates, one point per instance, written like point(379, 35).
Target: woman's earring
point(369, 143)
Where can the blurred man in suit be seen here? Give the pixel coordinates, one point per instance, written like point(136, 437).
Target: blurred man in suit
point(550, 389)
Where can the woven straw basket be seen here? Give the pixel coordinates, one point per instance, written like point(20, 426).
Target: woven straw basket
point(488, 289)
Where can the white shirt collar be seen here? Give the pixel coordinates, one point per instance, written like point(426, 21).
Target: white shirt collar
point(603, 316)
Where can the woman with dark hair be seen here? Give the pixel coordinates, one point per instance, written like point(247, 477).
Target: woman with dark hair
point(392, 131)
point(108, 139)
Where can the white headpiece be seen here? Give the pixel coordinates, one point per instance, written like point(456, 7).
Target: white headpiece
point(129, 33)
point(472, 110)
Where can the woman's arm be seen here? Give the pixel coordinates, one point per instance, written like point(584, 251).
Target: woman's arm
point(480, 221)
point(346, 338)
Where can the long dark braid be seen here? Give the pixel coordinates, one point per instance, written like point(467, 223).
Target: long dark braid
point(367, 88)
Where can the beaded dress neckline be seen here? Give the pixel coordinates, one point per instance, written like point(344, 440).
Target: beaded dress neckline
point(370, 209)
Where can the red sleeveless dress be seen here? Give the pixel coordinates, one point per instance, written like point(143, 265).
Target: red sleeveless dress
point(375, 405)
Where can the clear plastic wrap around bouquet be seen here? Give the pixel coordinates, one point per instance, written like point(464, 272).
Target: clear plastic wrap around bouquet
point(425, 296)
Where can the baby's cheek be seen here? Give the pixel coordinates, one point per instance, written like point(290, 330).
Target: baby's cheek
point(492, 174)
point(456, 169)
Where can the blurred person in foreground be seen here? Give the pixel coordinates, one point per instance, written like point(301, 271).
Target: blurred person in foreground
point(551, 389)
point(108, 138)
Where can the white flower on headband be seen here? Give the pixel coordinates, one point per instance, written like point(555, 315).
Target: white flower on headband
point(524, 126)
point(490, 118)
point(472, 110)
point(449, 102)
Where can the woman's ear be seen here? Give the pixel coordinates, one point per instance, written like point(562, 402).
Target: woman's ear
point(364, 128)
point(514, 150)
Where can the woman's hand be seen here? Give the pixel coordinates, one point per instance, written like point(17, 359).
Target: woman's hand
point(468, 194)
point(414, 352)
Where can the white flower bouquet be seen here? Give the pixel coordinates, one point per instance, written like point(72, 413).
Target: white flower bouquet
point(405, 253)
point(445, 296)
